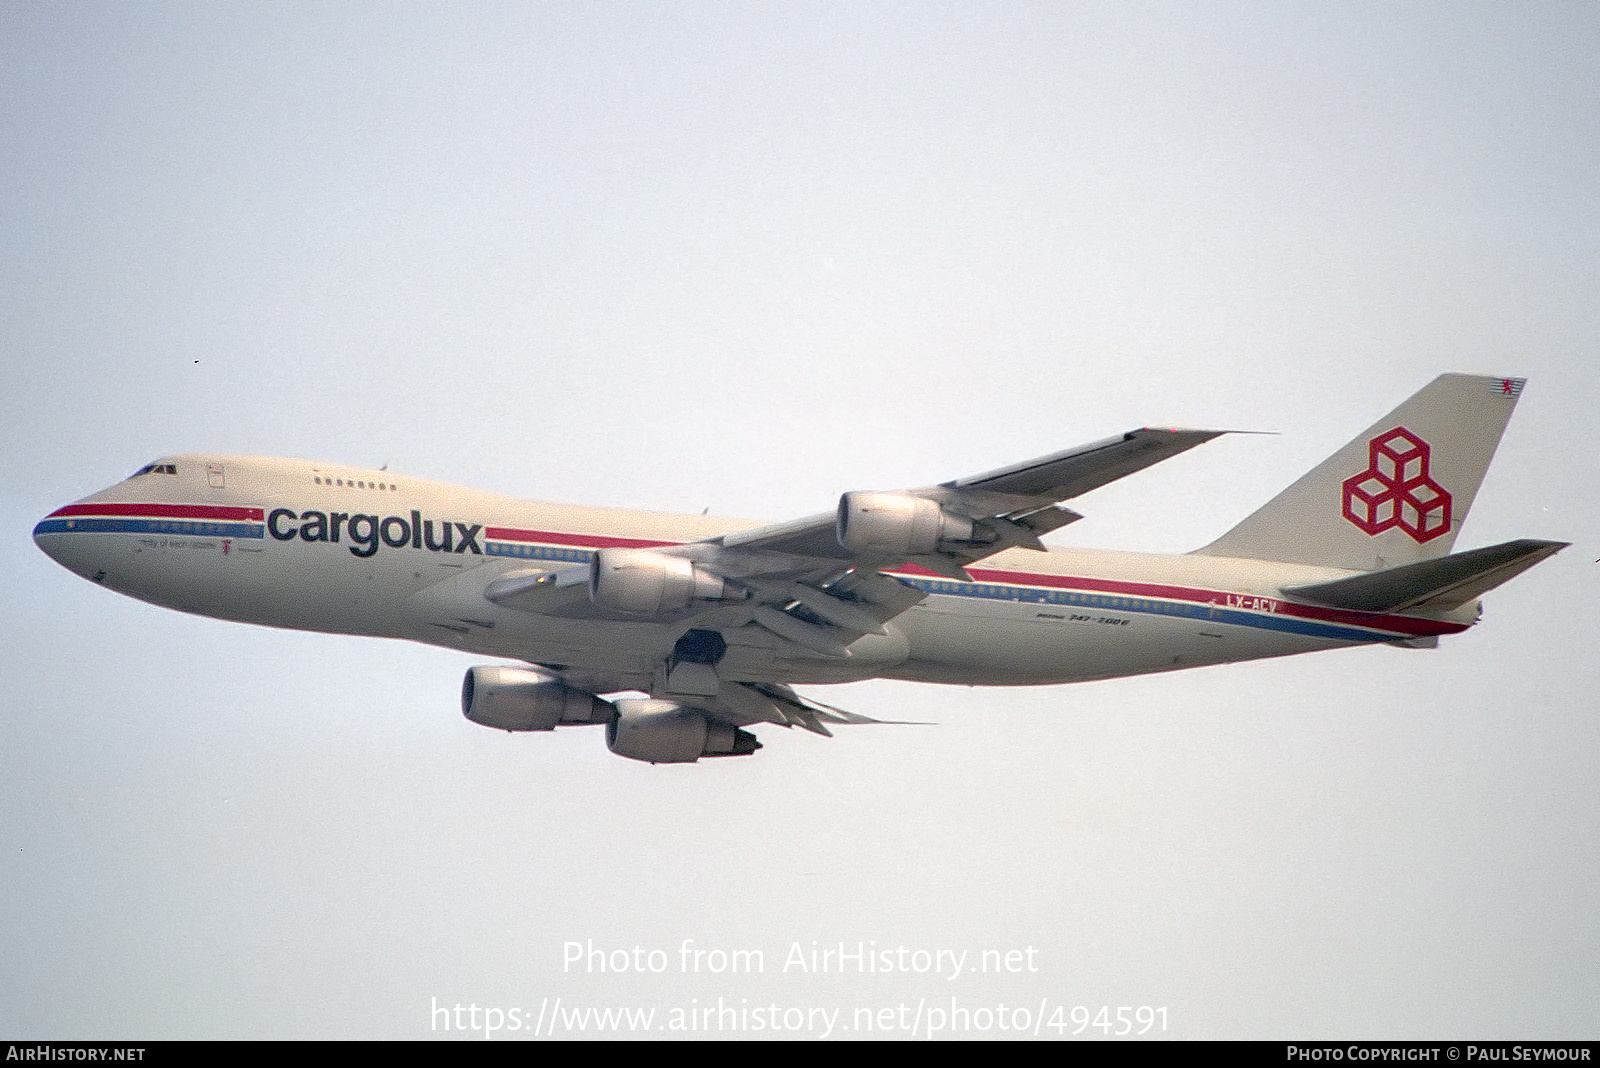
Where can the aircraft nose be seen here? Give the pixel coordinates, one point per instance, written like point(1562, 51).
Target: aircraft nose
point(60, 537)
point(48, 535)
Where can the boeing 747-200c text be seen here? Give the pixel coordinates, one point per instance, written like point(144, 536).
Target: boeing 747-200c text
point(716, 621)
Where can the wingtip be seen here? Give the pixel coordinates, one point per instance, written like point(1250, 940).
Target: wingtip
point(1200, 434)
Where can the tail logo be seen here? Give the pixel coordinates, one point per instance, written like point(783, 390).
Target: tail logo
point(1396, 490)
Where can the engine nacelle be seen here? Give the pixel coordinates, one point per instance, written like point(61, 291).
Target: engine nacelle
point(664, 732)
point(897, 525)
point(521, 699)
point(642, 582)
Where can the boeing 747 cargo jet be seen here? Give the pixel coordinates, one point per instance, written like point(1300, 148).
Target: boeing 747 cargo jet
point(716, 620)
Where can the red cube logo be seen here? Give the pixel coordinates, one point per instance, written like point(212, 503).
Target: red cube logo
point(1396, 490)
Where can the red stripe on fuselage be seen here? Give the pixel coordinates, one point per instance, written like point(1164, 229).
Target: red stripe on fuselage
point(582, 541)
point(162, 511)
point(1411, 625)
point(1219, 598)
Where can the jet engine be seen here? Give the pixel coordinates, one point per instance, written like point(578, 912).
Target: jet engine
point(642, 582)
point(521, 699)
point(664, 732)
point(897, 525)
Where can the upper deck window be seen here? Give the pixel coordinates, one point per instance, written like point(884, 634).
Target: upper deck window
point(354, 483)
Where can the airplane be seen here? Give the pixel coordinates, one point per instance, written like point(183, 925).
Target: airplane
point(716, 621)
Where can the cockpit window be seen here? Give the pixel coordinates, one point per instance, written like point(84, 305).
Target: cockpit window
point(155, 469)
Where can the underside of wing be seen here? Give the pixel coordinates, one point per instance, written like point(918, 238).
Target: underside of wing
point(744, 704)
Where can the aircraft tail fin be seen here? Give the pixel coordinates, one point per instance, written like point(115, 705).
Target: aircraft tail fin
point(1436, 585)
point(1396, 494)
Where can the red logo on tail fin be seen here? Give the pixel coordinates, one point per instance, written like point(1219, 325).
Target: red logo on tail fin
point(1396, 490)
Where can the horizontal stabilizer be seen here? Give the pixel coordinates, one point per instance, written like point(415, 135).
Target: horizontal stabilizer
point(1439, 584)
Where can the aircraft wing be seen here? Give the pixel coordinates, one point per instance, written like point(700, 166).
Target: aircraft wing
point(741, 704)
point(823, 582)
point(1016, 501)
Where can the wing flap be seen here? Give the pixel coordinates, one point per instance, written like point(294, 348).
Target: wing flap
point(826, 640)
point(744, 703)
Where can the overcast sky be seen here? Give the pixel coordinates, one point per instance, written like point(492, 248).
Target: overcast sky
point(745, 257)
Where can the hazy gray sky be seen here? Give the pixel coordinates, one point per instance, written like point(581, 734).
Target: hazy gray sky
point(745, 257)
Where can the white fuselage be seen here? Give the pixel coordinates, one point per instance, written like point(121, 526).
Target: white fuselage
point(291, 543)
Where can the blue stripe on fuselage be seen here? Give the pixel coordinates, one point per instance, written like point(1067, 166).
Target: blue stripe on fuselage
point(150, 526)
point(1146, 606)
point(980, 590)
point(1035, 595)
